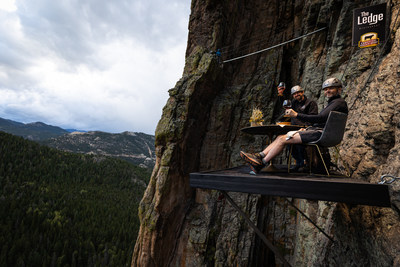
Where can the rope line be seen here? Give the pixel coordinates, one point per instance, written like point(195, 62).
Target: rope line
point(274, 46)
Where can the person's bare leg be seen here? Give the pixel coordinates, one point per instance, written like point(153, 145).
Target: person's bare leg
point(279, 144)
point(272, 145)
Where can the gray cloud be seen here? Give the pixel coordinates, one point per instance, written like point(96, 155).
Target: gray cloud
point(73, 28)
point(91, 64)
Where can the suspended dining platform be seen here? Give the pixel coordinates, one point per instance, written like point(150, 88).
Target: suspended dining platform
point(294, 185)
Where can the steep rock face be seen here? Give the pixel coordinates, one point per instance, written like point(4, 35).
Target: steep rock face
point(200, 130)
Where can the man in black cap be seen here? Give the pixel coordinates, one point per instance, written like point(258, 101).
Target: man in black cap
point(283, 95)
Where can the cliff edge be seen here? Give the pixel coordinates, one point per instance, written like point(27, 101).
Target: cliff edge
point(200, 130)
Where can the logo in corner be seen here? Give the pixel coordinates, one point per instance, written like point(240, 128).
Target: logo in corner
point(368, 39)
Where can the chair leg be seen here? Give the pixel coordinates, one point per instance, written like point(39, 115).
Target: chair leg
point(344, 163)
point(322, 158)
point(311, 159)
point(290, 159)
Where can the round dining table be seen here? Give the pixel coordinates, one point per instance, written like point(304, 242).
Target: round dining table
point(270, 131)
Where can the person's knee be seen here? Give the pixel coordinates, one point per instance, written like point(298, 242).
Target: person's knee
point(282, 139)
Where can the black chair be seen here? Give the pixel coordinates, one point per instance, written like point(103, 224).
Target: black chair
point(332, 135)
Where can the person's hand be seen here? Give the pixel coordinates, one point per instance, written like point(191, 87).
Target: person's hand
point(291, 113)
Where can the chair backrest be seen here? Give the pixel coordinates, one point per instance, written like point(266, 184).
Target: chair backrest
point(333, 131)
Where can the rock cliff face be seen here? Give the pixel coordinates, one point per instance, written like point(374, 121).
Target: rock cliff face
point(200, 130)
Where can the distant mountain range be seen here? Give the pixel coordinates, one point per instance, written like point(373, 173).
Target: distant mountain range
point(137, 148)
point(35, 131)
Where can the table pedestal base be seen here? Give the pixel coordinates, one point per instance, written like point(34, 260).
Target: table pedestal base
point(270, 168)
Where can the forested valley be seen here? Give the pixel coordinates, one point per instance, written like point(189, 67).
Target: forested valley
point(64, 209)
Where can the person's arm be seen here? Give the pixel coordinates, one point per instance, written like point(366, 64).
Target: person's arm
point(336, 105)
point(318, 118)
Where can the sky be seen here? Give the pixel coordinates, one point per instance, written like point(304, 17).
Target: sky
point(91, 64)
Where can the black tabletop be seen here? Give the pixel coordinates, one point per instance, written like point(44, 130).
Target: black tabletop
point(270, 129)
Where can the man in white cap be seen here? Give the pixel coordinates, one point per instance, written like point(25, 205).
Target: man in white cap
point(304, 105)
point(332, 88)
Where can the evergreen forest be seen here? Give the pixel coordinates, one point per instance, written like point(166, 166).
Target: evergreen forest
point(63, 209)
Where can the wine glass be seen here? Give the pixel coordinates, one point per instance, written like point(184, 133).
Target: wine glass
point(287, 104)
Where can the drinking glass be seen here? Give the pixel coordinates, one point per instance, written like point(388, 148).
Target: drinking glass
point(287, 104)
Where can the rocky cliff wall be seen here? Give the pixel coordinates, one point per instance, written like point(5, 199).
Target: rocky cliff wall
point(200, 130)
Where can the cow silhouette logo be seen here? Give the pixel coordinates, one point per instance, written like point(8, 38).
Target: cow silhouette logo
point(368, 39)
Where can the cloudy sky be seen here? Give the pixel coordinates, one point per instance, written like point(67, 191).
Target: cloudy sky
point(90, 64)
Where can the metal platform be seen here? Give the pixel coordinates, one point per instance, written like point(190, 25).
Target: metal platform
point(302, 185)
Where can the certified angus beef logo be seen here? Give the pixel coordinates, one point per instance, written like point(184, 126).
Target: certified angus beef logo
point(369, 25)
point(368, 39)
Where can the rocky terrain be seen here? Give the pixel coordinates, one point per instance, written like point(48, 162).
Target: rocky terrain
point(137, 148)
point(200, 130)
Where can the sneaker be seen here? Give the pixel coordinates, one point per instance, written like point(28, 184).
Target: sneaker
point(256, 168)
point(254, 159)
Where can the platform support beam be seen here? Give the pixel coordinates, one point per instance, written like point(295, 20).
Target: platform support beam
point(308, 219)
point(257, 231)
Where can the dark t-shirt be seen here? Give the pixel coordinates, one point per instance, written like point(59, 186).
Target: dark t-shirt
point(335, 103)
point(307, 106)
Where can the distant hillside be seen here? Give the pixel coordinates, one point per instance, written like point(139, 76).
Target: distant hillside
point(137, 148)
point(65, 209)
point(35, 131)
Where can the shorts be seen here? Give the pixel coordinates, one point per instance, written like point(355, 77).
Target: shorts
point(310, 135)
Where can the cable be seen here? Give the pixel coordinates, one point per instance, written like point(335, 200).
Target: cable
point(274, 46)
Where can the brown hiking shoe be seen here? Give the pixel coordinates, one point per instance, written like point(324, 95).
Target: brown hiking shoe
point(256, 168)
point(254, 159)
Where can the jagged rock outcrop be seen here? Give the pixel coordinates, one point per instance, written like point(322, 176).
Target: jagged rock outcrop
point(200, 130)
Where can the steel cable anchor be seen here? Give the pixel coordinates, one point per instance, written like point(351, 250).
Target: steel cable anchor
point(384, 179)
